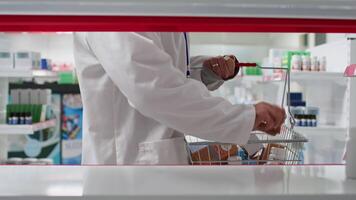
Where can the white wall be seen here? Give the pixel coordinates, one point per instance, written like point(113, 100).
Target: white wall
point(248, 47)
point(242, 52)
point(336, 53)
point(259, 39)
point(4, 42)
point(335, 37)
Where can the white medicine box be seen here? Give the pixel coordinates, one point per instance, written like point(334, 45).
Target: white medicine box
point(6, 61)
point(27, 60)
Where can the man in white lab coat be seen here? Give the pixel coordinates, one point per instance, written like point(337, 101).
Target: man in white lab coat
point(139, 100)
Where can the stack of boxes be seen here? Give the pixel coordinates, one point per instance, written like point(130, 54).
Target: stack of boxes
point(23, 61)
point(27, 60)
point(6, 61)
point(306, 116)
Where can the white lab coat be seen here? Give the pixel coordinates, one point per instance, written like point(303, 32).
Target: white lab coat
point(138, 101)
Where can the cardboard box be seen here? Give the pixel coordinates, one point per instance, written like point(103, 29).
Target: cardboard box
point(6, 61)
point(27, 60)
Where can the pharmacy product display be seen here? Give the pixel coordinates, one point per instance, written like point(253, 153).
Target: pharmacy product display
point(6, 61)
point(71, 130)
point(303, 61)
point(306, 116)
point(42, 147)
point(29, 161)
point(23, 61)
point(296, 60)
point(29, 106)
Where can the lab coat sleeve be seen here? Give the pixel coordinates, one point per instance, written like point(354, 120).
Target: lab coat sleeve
point(145, 74)
point(203, 74)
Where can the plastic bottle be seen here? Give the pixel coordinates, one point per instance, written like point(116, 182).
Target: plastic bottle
point(314, 120)
point(300, 120)
point(306, 63)
point(296, 63)
point(10, 119)
point(28, 118)
point(303, 121)
point(310, 120)
point(22, 118)
point(15, 118)
point(322, 64)
point(314, 64)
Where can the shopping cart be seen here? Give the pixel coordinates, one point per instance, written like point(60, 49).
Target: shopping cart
point(285, 148)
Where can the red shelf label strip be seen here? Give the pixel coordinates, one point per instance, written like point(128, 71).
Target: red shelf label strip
point(31, 23)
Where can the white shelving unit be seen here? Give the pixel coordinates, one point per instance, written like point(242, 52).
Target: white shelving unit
point(6, 129)
point(351, 144)
point(330, 90)
point(28, 74)
point(17, 129)
point(302, 75)
point(321, 129)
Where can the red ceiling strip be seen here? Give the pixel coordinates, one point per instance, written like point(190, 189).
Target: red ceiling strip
point(43, 23)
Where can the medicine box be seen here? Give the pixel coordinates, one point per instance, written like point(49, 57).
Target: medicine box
point(27, 60)
point(6, 61)
point(35, 96)
point(15, 96)
point(45, 96)
point(46, 64)
point(25, 96)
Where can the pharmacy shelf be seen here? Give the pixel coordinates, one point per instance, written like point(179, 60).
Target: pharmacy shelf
point(54, 87)
point(294, 76)
point(6, 129)
point(44, 73)
point(321, 129)
point(260, 79)
point(28, 74)
point(315, 75)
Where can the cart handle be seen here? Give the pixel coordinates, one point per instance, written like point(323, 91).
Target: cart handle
point(238, 64)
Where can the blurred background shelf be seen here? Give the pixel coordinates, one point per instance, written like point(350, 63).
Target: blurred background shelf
point(315, 75)
point(6, 129)
point(302, 75)
point(54, 87)
point(321, 129)
point(29, 74)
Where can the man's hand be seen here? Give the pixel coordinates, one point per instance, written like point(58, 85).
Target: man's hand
point(269, 118)
point(223, 66)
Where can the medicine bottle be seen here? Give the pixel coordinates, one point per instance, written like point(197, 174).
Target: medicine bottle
point(306, 63)
point(314, 64)
point(323, 64)
point(296, 62)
